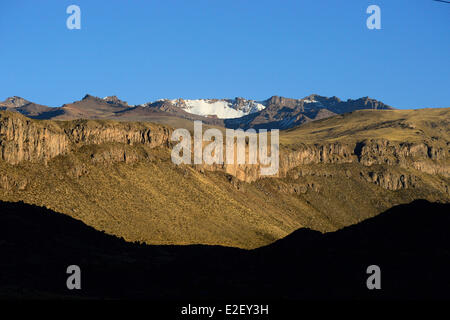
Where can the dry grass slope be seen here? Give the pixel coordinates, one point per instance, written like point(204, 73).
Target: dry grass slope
point(144, 197)
point(394, 125)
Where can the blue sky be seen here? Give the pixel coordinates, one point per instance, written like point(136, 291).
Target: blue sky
point(146, 50)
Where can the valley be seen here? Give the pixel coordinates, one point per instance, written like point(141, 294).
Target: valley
point(118, 176)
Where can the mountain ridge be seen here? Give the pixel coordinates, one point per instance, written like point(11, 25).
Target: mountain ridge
point(273, 113)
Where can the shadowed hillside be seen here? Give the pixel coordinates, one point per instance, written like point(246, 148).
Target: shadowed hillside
point(410, 243)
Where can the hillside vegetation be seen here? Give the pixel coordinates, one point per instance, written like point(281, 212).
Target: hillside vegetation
point(118, 177)
point(394, 125)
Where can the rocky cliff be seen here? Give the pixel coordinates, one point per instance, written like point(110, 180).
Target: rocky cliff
point(118, 177)
point(23, 139)
point(427, 158)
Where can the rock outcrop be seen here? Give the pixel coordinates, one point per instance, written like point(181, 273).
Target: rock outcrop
point(23, 139)
point(118, 177)
point(420, 156)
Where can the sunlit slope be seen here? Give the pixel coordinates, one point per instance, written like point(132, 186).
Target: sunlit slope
point(394, 125)
point(118, 177)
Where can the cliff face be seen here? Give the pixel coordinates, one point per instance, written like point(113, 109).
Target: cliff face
point(118, 177)
point(423, 157)
point(87, 132)
point(419, 156)
point(22, 139)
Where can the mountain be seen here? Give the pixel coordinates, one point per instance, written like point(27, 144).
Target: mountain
point(222, 109)
point(24, 107)
point(275, 112)
point(89, 107)
point(115, 101)
point(410, 243)
point(284, 113)
point(165, 112)
point(119, 177)
point(14, 102)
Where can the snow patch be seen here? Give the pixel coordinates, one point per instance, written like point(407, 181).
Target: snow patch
point(222, 109)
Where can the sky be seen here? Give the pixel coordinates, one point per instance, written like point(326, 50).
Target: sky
point(147, 50)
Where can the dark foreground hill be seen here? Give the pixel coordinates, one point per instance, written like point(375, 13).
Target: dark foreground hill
point(410, 243)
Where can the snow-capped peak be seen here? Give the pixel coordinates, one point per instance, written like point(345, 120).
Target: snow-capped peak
point(222, 109)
